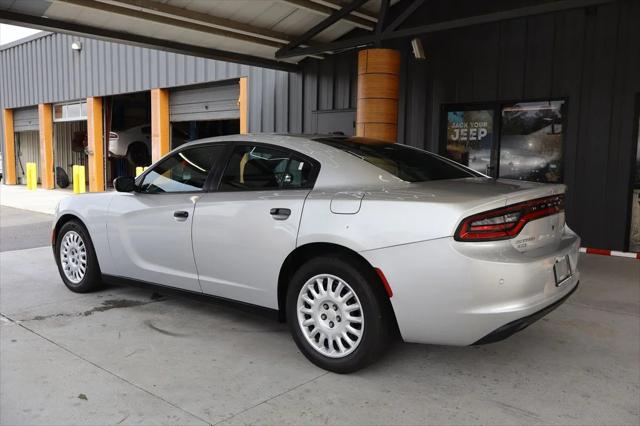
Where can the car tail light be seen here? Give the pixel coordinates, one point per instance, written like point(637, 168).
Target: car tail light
point(507, 222)
point(113, 135)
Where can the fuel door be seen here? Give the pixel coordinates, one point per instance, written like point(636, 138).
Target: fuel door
point(346, 202)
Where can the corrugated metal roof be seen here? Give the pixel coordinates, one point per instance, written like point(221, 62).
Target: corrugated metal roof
point(257, 28)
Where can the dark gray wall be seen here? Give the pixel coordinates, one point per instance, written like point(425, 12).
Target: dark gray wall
point(591, 57)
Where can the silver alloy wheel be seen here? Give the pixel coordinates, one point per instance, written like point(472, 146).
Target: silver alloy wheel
point(330, 315)
point(73, 256)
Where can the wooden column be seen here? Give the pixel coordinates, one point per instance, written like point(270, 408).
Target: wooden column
point(243, 104)
point(9, 152)
point(160, 125)
point(45, 130)
point(95, 144)
point(378, 87)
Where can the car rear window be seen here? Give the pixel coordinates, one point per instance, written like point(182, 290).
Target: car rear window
point(407, 163)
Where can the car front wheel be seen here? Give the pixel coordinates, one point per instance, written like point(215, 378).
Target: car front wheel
point(337, 317)
point(76, 259)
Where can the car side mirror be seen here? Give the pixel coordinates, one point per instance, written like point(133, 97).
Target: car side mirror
point(124, 184)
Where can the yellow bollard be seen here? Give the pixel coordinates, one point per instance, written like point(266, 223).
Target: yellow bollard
point(79, 184)
point(74, 174)
point(28, 175)
point(140, 170)
point(32, 176)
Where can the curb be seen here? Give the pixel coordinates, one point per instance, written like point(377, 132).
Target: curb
point(603, 252)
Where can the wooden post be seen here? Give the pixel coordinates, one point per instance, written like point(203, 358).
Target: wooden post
point(45, 130)
point(160, 135)
point(243, 104)
point(9, 153)
point(95, 144)
point(378, 89)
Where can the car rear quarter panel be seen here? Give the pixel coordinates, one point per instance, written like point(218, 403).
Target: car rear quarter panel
point(455, 293)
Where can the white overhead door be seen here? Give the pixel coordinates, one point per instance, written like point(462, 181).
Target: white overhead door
point(25, 119)
point(203, 103)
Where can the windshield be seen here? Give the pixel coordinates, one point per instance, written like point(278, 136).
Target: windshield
point(407, 163)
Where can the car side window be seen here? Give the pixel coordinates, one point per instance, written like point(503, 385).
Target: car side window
point(184, 171)
point(262, 168)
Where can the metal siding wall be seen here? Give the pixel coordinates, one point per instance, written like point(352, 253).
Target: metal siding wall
point(295, 100)
point(589, 57)
point(46, 70)
point(27, 151)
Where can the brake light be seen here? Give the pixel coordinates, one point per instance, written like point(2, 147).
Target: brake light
point(113, 135)
point(507, 222)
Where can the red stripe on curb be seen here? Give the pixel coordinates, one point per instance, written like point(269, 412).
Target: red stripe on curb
point(603, 252)
point(599, 251)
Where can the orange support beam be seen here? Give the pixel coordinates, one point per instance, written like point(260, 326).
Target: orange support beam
point(45, 123)
point(243, 103)
point(378, 93)
point(95, 144)
point(9, 157)
point(160, 125)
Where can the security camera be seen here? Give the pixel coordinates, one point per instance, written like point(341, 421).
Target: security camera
point(418, 50)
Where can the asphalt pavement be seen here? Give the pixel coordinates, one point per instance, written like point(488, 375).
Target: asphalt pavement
point(22, 229)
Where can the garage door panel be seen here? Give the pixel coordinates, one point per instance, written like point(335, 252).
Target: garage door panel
point(25, 119)
point(205, 103)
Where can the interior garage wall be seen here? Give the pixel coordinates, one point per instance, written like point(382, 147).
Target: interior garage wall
point(63, 155)
point(27, 151)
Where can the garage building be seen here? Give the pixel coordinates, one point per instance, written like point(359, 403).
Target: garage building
point(543, 91)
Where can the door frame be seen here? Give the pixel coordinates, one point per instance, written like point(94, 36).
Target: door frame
point(633, 158)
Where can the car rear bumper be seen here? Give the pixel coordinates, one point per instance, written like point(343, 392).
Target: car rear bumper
point(448, 292)
point(513, 327)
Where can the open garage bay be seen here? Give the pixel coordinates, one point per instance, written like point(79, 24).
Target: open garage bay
point(142, 356)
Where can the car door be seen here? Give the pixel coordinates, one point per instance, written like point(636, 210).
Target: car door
point(150, 229)
point(243, 232)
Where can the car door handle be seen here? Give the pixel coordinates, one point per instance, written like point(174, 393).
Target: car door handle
point(180, 214)
point(280, 213)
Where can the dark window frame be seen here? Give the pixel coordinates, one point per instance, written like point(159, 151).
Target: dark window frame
point(497, 107)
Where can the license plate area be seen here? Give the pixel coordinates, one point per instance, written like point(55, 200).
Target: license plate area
point(562, 270)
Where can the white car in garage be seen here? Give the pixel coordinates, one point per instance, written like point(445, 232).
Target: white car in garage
point(349, 239)
point(135, 143)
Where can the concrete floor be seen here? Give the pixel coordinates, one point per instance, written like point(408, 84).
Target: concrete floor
point(134, 356)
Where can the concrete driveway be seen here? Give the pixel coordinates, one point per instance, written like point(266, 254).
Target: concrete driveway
point(137, 356)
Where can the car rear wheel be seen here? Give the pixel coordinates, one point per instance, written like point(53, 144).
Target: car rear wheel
point(336, 316)
point(138, 154)
point(76, 259)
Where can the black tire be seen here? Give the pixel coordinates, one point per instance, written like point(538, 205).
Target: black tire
point(91, 281)
point(138, 154)
point(377, 322)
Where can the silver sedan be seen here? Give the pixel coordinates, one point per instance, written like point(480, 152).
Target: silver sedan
point(352, 241)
